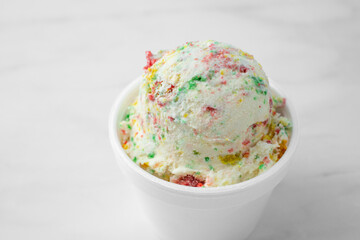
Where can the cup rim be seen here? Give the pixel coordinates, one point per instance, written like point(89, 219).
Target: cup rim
point(221, 190)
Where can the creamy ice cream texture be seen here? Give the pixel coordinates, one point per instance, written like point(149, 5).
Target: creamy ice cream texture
point(204, 116)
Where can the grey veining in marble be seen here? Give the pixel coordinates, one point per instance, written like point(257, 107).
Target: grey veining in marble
point(62, 63)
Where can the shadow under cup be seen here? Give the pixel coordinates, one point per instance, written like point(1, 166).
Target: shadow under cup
point(181, 212)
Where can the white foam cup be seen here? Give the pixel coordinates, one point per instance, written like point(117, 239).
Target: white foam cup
point(181, 212)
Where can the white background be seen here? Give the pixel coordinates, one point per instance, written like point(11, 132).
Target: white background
point(62, 63)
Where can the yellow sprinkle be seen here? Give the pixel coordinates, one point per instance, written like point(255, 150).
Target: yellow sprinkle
point(125, 146)
point(225, 183)
point(273, 157)
point(178, 76)
point(185, 115)
point(240, 100)
point(144, 165)
point(230, 159)
point(284, 122)
point(266, 137)
point(248, 55)
point(222, 72)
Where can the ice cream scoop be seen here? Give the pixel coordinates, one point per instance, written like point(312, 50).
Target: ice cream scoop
point(204, 116)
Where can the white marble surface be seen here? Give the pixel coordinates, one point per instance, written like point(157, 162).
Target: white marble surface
point(62, 63)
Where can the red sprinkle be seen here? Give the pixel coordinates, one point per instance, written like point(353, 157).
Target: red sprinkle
point(171, 118)
point(230, 150)
point(243, 69)
point(150, 60)
point(265, 122)
point(189, 180)
point(161, 104)
point(246, 142)
point(170, 89)
point(211, 110)
point(123, 131)
point(151, 97)
point(277, 130)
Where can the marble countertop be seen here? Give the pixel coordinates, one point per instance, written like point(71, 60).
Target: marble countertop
point(62, 63)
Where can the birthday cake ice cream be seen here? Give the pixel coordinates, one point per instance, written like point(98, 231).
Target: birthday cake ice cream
point(204, 117)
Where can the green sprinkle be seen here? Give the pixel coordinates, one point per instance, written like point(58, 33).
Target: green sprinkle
point(211, 167)
point(257, 80)
point(182, 89)
point(154, 137)
point(240, 176)
point(198, 78)
point(207, 159)
point(254, 98)
point(259, 84)
point(196, 152)
point(193, 80)
point(129, 127)
point(134, 159)
point(189, 166)
point(127, 117)
point(181, 48)
point(151, 155)
point(197, 173)
point(262, 166)
point(152, 171)
point(215, 149)
point(257, 156)
point(192, 85)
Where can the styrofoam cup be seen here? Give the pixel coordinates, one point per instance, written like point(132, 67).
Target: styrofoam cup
point(182, 212)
